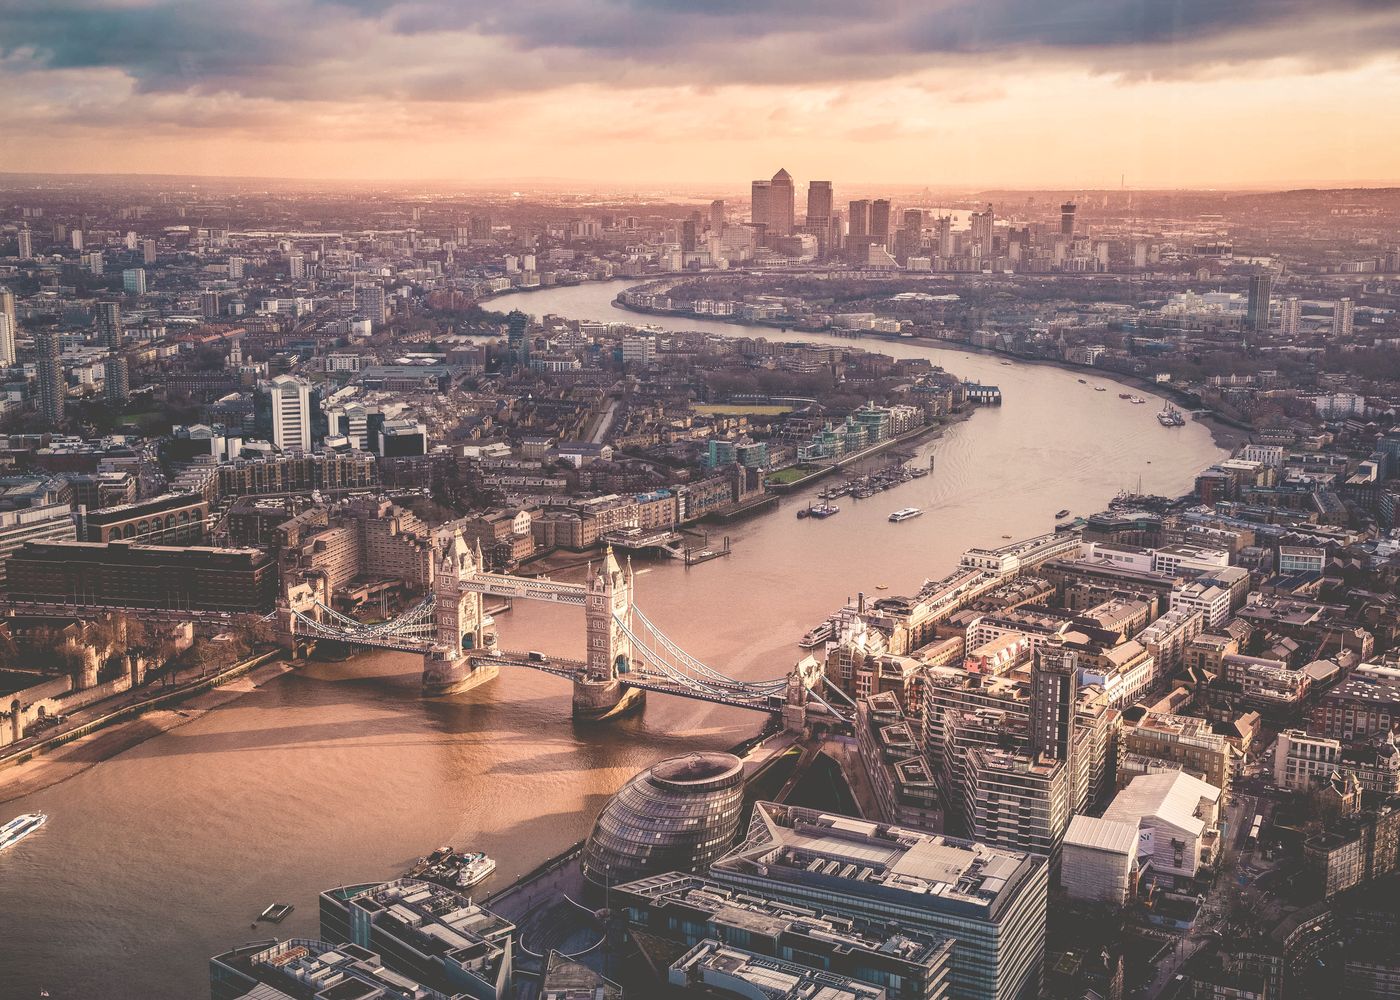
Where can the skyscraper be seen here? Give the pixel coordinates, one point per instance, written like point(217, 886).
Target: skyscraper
point(7, 341)
point(1260, 294)
point(148, 252)
point(209, 304)
point(781, 204)
point(369, 299)
point(689, 236)
point(116, 381)
point(982, 223)
point(53, 389)
point(109, 323)
point(291, 413)
point(25, 242)
point(880, 219)
point(134, 281)
point(859, 220)
point(518, 339)
point(75, 239)
point(1054, 696)
point(1292, 316)
point(819, 203)
point(717, 216)
point(1067, 211)
point(1343, 316)
point(759, 192)
point(944, 230)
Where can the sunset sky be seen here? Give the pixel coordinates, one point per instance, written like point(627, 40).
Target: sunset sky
point(940, 92)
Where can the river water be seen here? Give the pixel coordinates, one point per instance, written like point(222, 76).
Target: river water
point(338, 773)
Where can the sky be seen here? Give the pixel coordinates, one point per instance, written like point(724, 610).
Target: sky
point(945, 93)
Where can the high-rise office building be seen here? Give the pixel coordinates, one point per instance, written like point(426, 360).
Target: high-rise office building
point(858, 220)
point(717, 216)
point(1261, 288)
point(290, 400)
point(53, 388)
point(1067, 211)
point(134, 281)
point(109, 323)
point(25, 243)
point(1343, 316)
point(689, 236)
point(781, 204)
point(116, 380)
point(1291, 316)
point(944, 232)
point(880, 219)
point(759, 192)
point(820, 203)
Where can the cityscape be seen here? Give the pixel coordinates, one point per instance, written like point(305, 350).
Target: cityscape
point(776, 503)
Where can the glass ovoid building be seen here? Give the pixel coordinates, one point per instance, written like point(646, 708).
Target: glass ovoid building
point(679, 815)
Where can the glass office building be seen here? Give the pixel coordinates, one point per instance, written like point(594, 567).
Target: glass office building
point(680, 815)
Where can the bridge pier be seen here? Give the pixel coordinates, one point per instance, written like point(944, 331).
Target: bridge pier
point(447, 673)
point(599, 700)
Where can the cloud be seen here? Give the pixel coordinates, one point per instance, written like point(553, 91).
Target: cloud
point(463, 50)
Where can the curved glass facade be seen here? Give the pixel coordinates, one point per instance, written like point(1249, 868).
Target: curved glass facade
point(680, 815)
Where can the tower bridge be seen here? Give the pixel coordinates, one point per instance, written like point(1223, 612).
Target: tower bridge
point(627, 654)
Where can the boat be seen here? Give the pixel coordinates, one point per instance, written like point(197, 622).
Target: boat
point(1099, 388)
point(823, 510)
point(1136, 400)
point(475, 868)
point(20, 827)
point(1170, 416)
point(1125, 395)
point(817, 635)
point(1061, 513)
point(905, 514)
point(276, 912)
point(802, 513)
point(1082, 382)
point(919, 473)
point(882, 586)
point(1005, 536)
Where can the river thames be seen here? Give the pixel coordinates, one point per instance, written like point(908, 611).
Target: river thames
point(337, 773)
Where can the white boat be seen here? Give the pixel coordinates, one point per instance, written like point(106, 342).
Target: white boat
point(477, 868)
point(1170, 416)
point(905, 514)
point(20, 827)
point(818, 635)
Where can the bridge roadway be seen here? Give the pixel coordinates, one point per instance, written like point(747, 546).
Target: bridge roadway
point(641, 678)
point(526, 589)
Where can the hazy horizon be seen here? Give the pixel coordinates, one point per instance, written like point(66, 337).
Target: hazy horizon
point(997, 94)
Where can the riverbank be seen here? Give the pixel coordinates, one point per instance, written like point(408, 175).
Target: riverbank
point(911, 437)
point(114, 729)
point(1225, 432)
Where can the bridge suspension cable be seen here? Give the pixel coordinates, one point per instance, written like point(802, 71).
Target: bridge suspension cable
point(704, 681)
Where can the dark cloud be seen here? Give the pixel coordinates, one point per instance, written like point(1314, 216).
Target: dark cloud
point(465, 49)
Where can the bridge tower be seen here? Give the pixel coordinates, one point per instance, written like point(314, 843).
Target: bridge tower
point(599, 693)
point(462, 625)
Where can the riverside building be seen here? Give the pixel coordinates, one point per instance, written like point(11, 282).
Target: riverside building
point(678, 815)
point(992, 902)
